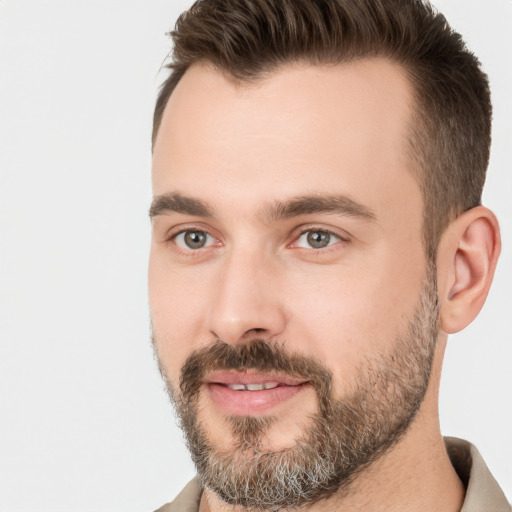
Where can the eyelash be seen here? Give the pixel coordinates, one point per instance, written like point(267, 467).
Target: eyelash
point(316, 229)
point(189, 252)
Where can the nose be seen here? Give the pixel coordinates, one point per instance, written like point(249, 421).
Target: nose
point(246, 303)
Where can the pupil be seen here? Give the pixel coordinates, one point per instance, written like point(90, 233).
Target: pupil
point(195, 239)
point(318, 239)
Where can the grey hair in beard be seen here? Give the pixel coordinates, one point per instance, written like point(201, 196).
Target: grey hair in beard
point(343, 437)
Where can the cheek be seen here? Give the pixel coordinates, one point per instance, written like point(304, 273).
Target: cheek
point(175, 307)
point(345, 315)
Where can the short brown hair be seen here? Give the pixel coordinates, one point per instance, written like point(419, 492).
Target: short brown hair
point(451, 127)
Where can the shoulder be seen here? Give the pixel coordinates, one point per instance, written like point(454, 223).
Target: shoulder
point(482, 490)
point(186, 501)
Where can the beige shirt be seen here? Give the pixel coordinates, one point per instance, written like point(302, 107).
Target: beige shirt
point(483, 494)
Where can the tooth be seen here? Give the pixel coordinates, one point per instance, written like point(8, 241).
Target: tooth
point(236, 387)
point(254, 387)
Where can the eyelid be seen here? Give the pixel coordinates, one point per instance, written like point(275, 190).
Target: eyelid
point(175, 230)
point(183, 246)
point(341, 235)
point(172, 233)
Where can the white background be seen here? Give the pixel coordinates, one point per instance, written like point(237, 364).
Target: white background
point(84, 422)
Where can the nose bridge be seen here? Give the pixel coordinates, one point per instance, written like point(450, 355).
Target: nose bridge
point(246, 303)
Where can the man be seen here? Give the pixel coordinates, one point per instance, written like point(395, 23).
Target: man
point(317, 234)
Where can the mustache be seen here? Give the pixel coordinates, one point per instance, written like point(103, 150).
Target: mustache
point(259, 355)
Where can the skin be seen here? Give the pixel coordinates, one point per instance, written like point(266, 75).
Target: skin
point(309, 131)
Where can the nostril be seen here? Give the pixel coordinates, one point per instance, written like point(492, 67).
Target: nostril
point(255, 330)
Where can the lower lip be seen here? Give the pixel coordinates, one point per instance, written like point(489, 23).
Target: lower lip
point(251, 403)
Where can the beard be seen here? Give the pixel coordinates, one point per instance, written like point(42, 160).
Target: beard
point(344, 436)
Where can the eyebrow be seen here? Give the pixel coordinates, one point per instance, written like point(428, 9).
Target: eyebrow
point(177, 203)
point(304, 205)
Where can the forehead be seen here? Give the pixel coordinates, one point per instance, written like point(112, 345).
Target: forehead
point(303, 129)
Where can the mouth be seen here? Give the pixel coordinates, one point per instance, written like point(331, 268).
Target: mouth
point(251, 394)
point(253, 387)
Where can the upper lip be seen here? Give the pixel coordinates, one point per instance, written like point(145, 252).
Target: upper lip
point(248, 377)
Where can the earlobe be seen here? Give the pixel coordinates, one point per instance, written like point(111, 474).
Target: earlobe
point(467, 258)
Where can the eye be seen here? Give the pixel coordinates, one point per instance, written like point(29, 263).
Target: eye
point(316, 239)
point(193, 239)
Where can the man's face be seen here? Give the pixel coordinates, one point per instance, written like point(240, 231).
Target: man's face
point(287, 248)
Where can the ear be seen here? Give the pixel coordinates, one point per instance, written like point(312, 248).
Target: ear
point(466, 260)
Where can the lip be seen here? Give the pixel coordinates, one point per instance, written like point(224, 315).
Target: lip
point(248, 377)
point(251, 403)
